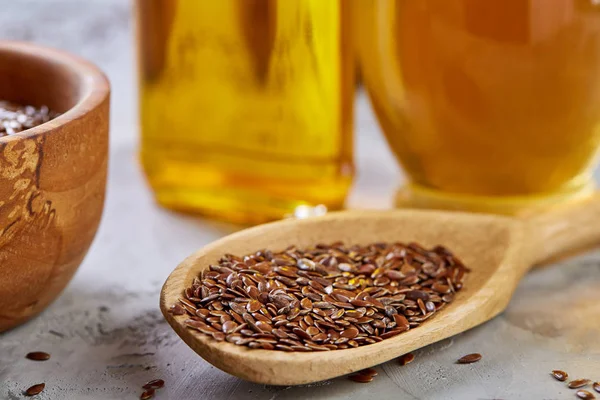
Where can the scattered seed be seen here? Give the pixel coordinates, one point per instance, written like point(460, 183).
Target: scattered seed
point(560, 375)
point(469, 358)
point(38, 356)
point(368, 372)
point(361, 378)
point(578, 383)
point(597, 386)
point(148, 394)
point(585, 395)
point(321, 298)
point(406, 358)
point(154, 384)
point(35, 389)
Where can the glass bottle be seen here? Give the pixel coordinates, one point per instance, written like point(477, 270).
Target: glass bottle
point(246, 105)
point(489, 105)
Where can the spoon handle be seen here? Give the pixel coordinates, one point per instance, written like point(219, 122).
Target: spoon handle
point(564, 231)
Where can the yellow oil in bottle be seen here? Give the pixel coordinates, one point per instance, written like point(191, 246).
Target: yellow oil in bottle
point(489, 105)
point(246, 105)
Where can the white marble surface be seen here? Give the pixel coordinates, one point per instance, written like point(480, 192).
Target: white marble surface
point(107, 336)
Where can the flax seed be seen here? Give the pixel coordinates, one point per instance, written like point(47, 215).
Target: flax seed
point(469, 358)
point(560, 375)
point(38, 356)
point(321, 298)
point(406, 359)
point(579, 383)
point(154, 384)
point(35, 389)
point(361, 378)
point(585, 395)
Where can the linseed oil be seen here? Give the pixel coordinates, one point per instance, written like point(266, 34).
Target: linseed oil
point(490, 105)
point(246, 105)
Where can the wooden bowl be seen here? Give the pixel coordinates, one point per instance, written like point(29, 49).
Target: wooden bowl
point(52, 177)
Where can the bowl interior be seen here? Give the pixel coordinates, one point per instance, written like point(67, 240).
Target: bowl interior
point(30, 78)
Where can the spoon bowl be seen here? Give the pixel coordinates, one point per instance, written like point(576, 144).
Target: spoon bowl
point(498, 250)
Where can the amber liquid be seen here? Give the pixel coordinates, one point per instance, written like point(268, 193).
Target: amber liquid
point(496, 98)
point(246, 105)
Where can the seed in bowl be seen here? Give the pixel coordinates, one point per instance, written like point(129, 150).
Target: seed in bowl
point(321, 298)
point(16, 118)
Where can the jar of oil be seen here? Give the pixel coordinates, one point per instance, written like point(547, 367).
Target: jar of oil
point(246, 105)
point(489, 105)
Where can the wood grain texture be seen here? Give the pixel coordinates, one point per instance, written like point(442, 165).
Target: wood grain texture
point(52, 177)
point(498, 249)
point(565, 231)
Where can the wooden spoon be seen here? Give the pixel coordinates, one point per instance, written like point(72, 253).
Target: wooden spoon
point(499, 250)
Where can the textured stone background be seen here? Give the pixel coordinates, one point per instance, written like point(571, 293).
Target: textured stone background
point(107, 336)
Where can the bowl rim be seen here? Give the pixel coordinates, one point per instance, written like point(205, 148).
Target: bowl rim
point(95, 86)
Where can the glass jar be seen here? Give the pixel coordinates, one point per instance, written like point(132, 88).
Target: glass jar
point(246, 105)
point(489, 105)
